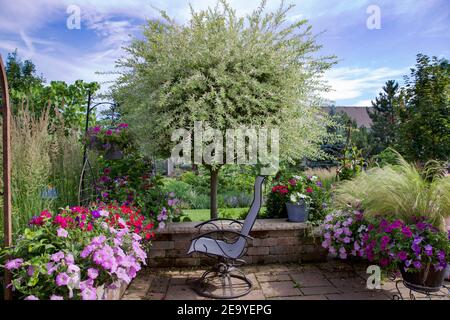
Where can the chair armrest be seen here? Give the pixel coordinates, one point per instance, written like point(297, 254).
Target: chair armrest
point(222, 231)
point(218, 219)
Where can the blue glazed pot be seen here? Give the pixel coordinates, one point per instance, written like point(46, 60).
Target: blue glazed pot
point(297, 212)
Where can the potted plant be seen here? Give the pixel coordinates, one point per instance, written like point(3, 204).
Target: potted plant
point(297, 207)
point(78, 253)
point(296, 191)
point(407, 207)
point(418, 250)
point(111, 142)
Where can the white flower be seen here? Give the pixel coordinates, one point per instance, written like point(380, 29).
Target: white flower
point(104, 213)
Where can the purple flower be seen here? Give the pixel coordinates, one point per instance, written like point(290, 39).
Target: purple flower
point(62, 233)
point(417, 264)
point(402, 255)
point(62, 279)
point(92, 273)
point(55, 297)
point(384, 262)
point(57, 256)
point(14, 264)
point(428, 250)
point(31, 298)
point(51, 268)
point(346, 240)
point(95, 214)
point(89, 293)
point(406, 232)
point(122, 275)
point(30, 271)
point(416, 248)
point(69, 259)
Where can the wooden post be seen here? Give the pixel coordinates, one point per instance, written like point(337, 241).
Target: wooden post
point(7, 221)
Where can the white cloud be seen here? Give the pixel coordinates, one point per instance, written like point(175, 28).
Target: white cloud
point(353, 83)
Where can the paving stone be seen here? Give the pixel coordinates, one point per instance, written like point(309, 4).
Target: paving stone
point(253, 295)
point(310, 279)
point(318, 290)
point(266, 277)
point(182, 292)
point(254, 280)
point(154, 296)
point(279, 289)
point(349, 284)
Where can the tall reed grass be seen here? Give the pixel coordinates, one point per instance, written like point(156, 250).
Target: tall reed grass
point(43, 155)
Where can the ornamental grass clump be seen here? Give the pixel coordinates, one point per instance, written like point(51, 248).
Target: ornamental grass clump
point(400, 191)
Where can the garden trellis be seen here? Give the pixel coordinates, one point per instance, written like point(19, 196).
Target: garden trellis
point(6, 115)
point(85, 193)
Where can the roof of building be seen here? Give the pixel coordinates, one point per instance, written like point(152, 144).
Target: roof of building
point(358, 113)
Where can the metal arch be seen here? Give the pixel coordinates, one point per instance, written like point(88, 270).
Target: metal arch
point(7, 220)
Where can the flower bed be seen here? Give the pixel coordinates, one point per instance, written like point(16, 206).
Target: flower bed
point(79, 253)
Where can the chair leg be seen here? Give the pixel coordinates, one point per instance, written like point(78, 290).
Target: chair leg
point(223, 281)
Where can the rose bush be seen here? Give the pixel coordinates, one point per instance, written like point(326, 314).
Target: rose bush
point(78, 252)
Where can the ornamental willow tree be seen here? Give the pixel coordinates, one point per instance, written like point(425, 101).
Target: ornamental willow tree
point(229, 71)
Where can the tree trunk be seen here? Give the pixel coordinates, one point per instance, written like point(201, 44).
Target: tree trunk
point(214, 182)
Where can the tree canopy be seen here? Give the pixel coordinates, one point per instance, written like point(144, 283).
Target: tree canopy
point(229, 71)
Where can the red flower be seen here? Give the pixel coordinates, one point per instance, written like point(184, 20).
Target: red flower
point(309, 190)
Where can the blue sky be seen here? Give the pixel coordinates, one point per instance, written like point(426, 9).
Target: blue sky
point(367, 57)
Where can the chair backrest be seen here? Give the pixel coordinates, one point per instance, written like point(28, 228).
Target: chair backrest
point(255, 207)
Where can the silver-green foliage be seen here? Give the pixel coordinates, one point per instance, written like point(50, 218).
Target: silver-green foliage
point(260, 70)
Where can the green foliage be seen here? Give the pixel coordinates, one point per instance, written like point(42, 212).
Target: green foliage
point(385, 119)
point(398, 191)
point(351, 164)
point(28, 91)
point(425, 128)
point(386, 157)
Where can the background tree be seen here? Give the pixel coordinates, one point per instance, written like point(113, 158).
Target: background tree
point(385, 122)
point(425, 117)
point(29, 91)
point(229, 71)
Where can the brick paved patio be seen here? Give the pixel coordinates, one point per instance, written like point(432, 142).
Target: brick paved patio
point(332, 280)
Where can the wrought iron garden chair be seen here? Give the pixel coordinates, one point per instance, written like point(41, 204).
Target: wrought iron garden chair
point(227, 243)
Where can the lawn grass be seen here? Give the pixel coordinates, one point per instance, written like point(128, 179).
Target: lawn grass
point(204, 214)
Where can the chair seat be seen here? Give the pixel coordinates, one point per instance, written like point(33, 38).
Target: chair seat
point(216, 247)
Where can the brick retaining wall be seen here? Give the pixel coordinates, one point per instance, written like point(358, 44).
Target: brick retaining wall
point(275, 241)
